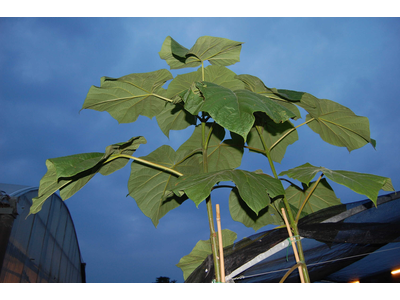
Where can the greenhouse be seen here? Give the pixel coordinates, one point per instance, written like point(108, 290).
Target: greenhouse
point(39, 248)
point(355, 242)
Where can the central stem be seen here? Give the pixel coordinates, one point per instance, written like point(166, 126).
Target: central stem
point(213, 234)
point(292, 222)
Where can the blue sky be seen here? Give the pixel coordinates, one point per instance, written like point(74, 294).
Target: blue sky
point(47, 66)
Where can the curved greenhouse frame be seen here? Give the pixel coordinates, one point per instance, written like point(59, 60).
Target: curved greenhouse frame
point(41, 248)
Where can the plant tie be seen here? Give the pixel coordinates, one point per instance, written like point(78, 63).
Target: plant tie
point(296, 239)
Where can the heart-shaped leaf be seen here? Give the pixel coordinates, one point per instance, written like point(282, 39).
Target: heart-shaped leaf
point(199, 253)
point(361, 183)
point(218, 51)
point(128, 97)
point(254, 188)
point(232, 109)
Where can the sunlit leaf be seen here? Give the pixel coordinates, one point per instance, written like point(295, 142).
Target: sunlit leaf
point(254, 84)
point(127, 97)
point(200, 252)
point(232, 109)
point(255, 189)
point(361, 183)
point(218, 51)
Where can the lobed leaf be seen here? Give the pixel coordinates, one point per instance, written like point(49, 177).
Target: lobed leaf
point(70, 173)
point(242, 213)
point(322, 197)
point(335, 123)
point(271, 133)
point(361, 183)
point(221, 154)
point(232, 109)
point(254, 84)
point(149, 186)
point(127, 97)
point(218, 51)
point(255, 189)
point(199, 253)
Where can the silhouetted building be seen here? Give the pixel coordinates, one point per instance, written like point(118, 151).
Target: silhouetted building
point(41, 248)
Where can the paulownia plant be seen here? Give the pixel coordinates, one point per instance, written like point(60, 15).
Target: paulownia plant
point(228, 113)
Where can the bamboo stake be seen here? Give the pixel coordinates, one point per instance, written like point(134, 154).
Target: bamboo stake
point(221, 248)
point(296, 255)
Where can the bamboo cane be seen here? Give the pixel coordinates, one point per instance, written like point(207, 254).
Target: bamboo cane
point(221, 248)
point(296, 255)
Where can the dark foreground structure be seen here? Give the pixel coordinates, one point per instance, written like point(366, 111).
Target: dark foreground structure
point(343, 243)
point(40, 248)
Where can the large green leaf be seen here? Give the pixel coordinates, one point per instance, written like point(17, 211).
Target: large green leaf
point(127, 97)
point(218, 51)
point(174, 117)
point(335, 123)
point(70, 173)
point(254, 188)
point(361, 183)
point(254, 84)
point(271, 132)
point(221, 154)
point(322, 197)
point(240, 212)
point(149, 186)
point(200, 252)
point(232, 109)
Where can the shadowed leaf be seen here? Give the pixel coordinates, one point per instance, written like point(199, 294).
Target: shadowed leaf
point(190, 262)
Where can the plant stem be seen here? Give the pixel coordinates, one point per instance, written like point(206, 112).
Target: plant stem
point(146, 162)
point(292, 222)
point(307, 198)
point(287, 133)
point(213, 234)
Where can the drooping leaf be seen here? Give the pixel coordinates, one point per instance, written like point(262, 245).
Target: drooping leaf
point(232, 109)
point(70, 173)
point(254, 84)
point(221, 154)
point(361, 183)
point(335, 123)
point(322, 197)
point(115, 150)
point(127, 97)
point(240, 212)
point(255, 189)
point(271, 133)
point(218, 51)
point(200, 252)
point(149, 186)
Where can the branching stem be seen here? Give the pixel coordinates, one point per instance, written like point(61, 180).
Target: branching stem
point(307, 198)
point(289, 132)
